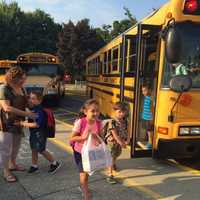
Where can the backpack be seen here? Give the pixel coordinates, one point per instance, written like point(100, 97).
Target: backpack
point(105, 131)
point(83, 126)
point(50, 127)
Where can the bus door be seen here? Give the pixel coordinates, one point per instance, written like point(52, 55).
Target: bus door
point(147, 41)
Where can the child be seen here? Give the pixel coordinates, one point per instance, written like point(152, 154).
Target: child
point(37, 137)
point(92, 126)
point(117, 136)
point(147, 114)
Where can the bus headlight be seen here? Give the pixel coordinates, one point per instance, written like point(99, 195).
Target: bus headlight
point(184, 131)
point(195, 130)
point(51, 91)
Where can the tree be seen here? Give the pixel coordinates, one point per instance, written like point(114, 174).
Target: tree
point(108, 32)
point(65, 43)
point(10, 16)
point(119, 27)
point(76, 43)
point(132, 19)
point(22, 32)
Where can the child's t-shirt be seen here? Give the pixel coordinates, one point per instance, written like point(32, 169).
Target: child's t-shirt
point(120, 127)
point(40, 119)
point(146, 110)
point(92, 128)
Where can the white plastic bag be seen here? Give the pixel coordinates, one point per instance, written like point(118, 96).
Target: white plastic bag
point(95, 157)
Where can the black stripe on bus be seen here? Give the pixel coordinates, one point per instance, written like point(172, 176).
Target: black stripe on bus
point(127, 74)
point(129, 88)
point(101, 90)
point(127, 99)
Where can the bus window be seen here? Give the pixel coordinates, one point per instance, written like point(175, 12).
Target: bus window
point(99, 63)
point(132, 55)
point(104, 62)
point(109, 62)
point(115, 59)
point(189, 62)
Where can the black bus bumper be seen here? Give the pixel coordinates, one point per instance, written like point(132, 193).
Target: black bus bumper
point(184, 148)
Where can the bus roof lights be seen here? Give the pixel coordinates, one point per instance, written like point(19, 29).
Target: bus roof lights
point(169, 15)
point(191, 6)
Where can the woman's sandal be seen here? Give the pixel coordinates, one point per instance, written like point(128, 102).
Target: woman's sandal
point(10, 179)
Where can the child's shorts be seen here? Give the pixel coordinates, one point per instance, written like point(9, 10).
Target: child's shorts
point(147, 125)
point(115, 149)
point(38, 142)
point(78, 161)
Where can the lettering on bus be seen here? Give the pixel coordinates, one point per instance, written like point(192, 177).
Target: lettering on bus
point(37, 59)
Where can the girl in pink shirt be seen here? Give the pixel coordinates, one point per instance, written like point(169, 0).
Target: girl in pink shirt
point(87, 124)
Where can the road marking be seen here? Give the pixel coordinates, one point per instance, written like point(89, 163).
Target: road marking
point(185, 168)
point(63, 109)
point(64, 123)
point(61, 144)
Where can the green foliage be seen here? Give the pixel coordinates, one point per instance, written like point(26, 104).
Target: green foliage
point(22, 32)
point(132, 19)
point(76, 42)
point(108, 32)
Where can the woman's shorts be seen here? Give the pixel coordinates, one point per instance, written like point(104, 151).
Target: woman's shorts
point(38, 142)
point(78, 161)
point(5, 147)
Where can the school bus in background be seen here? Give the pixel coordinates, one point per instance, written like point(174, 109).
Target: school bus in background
point(4, 66)
point(146, 54)
point(44, 74)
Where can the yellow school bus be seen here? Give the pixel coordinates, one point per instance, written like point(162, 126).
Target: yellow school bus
point(162, 51)
point(4, 66)
point(45, 74)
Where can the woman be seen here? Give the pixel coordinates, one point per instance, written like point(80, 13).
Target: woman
point(13, 102)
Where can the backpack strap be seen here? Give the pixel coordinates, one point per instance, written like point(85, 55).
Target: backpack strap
point(98, 126)
point(83, 124)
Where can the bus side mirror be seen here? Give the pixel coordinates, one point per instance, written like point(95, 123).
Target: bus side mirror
point(173, 45)
point(180, 83)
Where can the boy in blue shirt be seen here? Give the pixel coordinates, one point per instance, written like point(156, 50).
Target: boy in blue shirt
point(147, 114)
point(37, 136)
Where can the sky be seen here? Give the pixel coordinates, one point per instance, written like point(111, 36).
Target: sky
point(98, 11)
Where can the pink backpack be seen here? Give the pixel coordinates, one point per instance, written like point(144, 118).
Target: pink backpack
point(83, 126)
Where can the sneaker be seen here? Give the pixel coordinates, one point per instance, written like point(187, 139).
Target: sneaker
point(33, 169)
point(54, 168)
point(111, 180)
point(149, 146)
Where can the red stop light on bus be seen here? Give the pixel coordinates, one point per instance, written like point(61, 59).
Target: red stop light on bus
point(191, 7)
